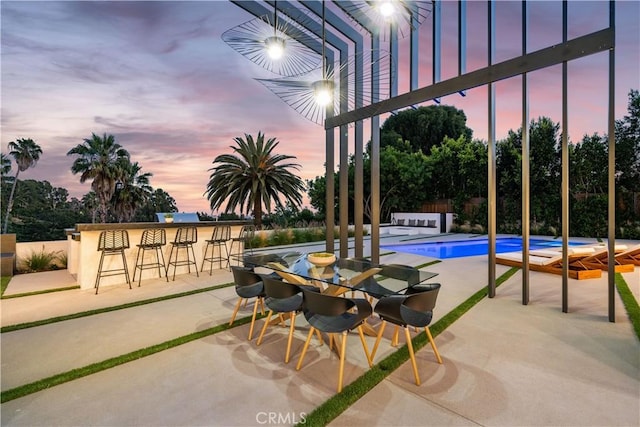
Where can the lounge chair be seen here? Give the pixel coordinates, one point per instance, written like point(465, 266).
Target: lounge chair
point(629, 256)
point(600, 260)
point(550, 261)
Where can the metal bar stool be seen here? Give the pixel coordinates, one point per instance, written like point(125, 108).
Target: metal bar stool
point(221, 235)
point(185, 238)
point(243, 242)
point(153, 239)
point(112, 242)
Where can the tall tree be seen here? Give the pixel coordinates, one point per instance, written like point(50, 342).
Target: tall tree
point(132, 191)
point(99, 160)
point(6, 164)
point(253, 177)
point(628, 146)
point(589, 165)
point(158, 201)
point(91, 205)
point(425, 127)
point(26, 153)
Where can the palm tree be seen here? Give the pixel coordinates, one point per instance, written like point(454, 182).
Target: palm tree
point(91, 203)
point(26, 153)
point(253, 177)
point(98, 159)
point(134, 190)
point(5, 161)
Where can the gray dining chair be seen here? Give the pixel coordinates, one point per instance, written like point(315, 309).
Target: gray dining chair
point(332, 314)
point(415, 308)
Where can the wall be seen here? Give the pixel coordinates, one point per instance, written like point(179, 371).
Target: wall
point(26, 249)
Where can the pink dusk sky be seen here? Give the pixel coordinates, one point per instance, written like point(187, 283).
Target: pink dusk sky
point(158, 77)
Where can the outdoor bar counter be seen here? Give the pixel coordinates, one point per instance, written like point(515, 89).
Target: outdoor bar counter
point(83, 256)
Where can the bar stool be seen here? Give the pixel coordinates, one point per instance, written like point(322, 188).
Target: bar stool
point(153, 239)
point(112, 242)
point(221, 235)
point(185, 238)
point(243, 241)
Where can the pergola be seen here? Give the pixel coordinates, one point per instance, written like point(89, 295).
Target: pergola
point(349, 31)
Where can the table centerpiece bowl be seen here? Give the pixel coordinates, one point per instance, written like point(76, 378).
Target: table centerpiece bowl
point(321, 259)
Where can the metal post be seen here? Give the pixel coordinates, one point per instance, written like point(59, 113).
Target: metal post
point(330, 181)
point(462, 37)
point(492, 196)
point(436, 41)
point(612, 169)
point(565, 170)
point(526, 163)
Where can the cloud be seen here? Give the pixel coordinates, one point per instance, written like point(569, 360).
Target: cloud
point(158, 77)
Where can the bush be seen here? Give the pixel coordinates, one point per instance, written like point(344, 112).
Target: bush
point(278, 237)
point(42, 261)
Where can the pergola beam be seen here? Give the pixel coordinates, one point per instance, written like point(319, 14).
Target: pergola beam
point(579, 47)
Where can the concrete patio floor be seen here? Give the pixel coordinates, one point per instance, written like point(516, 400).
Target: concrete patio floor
point(505, 364)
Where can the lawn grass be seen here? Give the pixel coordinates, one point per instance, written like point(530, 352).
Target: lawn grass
point(46, 291)
point(338, 403)
point(630, 303)
point(4, 282)
point(11, 328)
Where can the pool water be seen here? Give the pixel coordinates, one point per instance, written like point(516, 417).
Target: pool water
point(471, 247)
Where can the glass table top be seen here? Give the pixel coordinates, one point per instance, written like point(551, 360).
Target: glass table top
point(331, 272)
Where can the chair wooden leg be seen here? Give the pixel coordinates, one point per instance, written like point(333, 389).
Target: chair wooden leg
point(264, 328)
point(412, 355)
point(433, 344)
point(343, 352)
point(235, 311)
point(290, 340)
point(394, 340)
point(364, 346)
point(253, 318)
point(378, 338)
point(320, 337)
point(304, 348)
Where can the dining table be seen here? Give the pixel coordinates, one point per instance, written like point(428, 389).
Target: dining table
point(335, 275)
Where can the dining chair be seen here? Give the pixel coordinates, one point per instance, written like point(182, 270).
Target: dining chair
point(284, 299)
point(415, 308)
point(332, 314)
point(248, 285)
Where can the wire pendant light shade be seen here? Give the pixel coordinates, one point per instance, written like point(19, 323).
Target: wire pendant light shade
point(301, 94)
point(385, 15)
point(260, 38)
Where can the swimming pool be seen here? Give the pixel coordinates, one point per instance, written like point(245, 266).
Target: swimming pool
point(471, 247)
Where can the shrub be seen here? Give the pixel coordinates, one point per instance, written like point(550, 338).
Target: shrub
point(278, 237)
point(41, 261)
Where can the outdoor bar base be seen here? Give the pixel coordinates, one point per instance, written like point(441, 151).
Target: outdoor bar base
point(84, 257)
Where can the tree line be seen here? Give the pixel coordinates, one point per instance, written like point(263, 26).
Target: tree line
point(428, 154)
point(120, 191)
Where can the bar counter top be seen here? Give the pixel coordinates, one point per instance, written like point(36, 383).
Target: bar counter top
point(145, 225)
